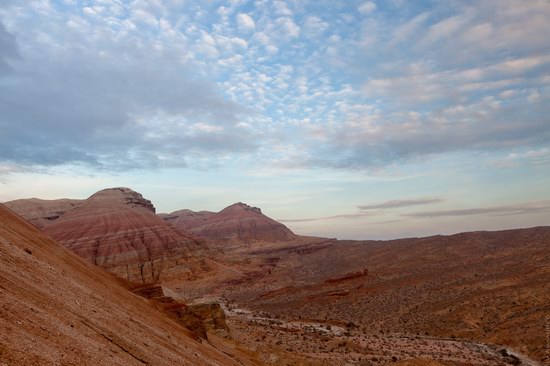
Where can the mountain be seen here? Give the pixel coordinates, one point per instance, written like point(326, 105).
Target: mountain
point(236, 222)
point(117, 229)
point(187, 219)
point(42, 213)
point(55, 308)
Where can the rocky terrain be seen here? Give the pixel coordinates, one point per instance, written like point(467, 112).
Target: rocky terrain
point(479, 298)
point(117, 229)
point(57, 309)
point(480, 287)
point(238, 222)
point(279, 341)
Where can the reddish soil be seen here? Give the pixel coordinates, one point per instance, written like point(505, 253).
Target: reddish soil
point(57, 309)
point(117, 229)
point(479, 298)
point(481, 287)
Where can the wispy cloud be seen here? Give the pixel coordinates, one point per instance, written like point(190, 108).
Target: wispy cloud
point(516, 159)
point(367, 210)
point(358, 215)
point(401, 203)
point(518, 209)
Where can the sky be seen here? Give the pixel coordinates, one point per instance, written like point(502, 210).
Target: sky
point(349, 119)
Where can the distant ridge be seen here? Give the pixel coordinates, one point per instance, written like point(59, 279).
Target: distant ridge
point(238, 221)
point(42, 213)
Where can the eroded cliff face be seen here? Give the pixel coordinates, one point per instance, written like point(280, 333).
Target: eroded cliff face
point(118, 230)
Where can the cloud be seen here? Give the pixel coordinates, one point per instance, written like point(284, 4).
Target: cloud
point(367, 8)
point(345, 216)
point(375, 139)
point(281, 8)
point(404, 31)
point(245, 22)
point(7, 169)
point(401, 203)
point(519, 209)
point(369, 208)
point(421, 84)
point(315, 26)
point(152, 83)
point(140, 16)
point(442, 30)
point(287, 28)
point(103, 96)
point(516, 159)
point(480, 33)
point(9, 50)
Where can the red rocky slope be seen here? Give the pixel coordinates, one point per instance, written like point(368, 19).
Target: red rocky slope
point(57, 309)
point(117, 229)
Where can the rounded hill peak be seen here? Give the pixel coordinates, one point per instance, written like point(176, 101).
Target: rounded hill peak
point(122, 195)
point(240, 206)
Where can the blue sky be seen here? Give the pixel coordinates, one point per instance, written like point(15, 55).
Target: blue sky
point(352, 119)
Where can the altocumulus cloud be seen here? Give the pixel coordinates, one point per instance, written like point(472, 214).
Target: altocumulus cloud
point(449, 79)
point(352, 85)
point(97, 91)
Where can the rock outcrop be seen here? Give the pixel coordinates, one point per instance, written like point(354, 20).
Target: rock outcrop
point(198, 318)
point(359, 275)
point(42, 213)
point(201, 319)
point(56, 308)
point(236, 222)
point(118, 230)
point(213, 318)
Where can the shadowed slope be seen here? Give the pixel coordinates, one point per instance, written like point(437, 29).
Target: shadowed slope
point(57, 309)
